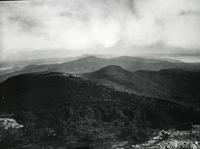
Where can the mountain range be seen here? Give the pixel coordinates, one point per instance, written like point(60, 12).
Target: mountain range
point(93, 103)
point(92, 63)
point(176, 85)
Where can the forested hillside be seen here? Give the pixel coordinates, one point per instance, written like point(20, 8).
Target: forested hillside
point(59, 109)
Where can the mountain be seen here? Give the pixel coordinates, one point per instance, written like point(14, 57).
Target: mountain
point(92, 63)
point(62, 110)
point(109, 71)
point(84, 64)
point(172, 84)
point(113, 76)
point(24, 63)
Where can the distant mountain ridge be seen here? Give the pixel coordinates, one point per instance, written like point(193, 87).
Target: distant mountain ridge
point(92, 63)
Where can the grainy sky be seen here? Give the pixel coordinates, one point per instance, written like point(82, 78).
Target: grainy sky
point(59, 28)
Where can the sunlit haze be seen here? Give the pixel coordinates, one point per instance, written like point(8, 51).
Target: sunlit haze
point(64, 28)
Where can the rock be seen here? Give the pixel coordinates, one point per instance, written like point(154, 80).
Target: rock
point(120, 145)
point(123, 143)
point(7, 123)
point(173, 139)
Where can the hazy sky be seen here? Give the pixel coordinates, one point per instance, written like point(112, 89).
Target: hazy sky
point(58, 28)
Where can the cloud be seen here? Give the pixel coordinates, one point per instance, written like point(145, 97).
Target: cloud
point(95, 25)
point(189, 13)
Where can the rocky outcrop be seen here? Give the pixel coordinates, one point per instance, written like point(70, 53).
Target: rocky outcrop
point(170, 139)
point(7, 123)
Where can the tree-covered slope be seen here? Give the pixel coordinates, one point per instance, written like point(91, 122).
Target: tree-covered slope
point(60, 109)
point(172, 84)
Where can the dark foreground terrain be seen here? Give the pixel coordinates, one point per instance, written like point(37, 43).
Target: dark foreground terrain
point(59, 110)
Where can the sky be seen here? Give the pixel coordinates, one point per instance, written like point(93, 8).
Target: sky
point(64, 28)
